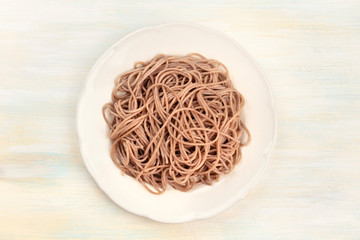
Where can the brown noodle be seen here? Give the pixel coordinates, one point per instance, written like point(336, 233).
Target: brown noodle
point(175, 120)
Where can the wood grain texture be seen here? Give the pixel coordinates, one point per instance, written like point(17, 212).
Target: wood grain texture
point(310, 51)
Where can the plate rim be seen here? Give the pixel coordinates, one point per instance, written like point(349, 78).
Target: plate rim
point(192, 216)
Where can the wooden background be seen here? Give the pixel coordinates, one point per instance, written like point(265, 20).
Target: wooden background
point(310, 51)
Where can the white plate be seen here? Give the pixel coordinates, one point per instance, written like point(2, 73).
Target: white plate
point(202, 201)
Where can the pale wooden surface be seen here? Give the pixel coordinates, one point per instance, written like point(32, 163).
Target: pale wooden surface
point(310, 51)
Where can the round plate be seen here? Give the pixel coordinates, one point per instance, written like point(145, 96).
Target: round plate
point(202, 201)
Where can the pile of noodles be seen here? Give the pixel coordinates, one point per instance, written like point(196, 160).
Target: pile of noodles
point(176, 121)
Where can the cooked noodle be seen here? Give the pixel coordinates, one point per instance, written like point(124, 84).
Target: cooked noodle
point(176, 121)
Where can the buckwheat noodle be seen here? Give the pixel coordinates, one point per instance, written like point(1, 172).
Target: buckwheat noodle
point(176, 121)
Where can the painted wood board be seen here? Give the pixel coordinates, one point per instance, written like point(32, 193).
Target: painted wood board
point(309, 50)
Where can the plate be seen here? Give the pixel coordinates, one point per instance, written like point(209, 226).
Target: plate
point(202, 201)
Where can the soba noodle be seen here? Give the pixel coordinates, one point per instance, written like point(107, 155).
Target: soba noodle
point(176, 121)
